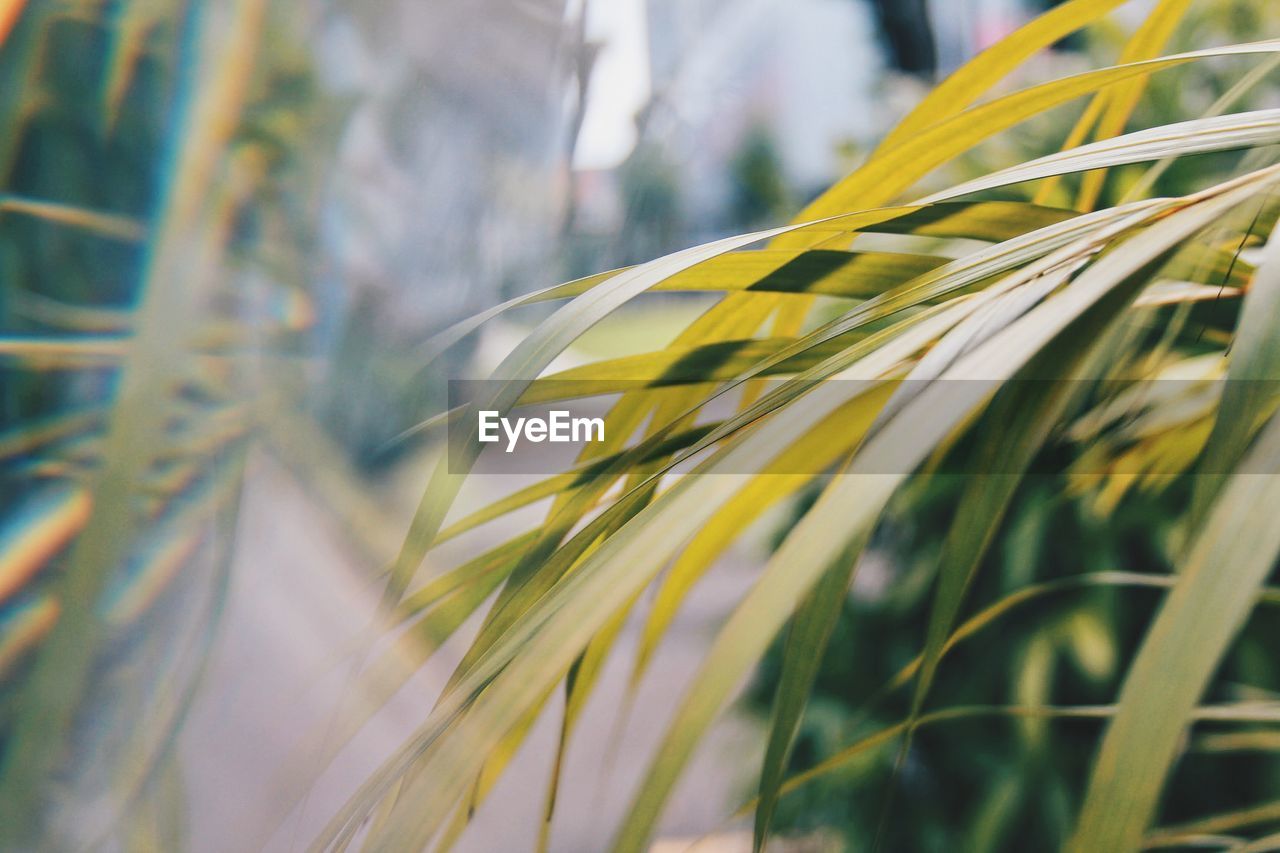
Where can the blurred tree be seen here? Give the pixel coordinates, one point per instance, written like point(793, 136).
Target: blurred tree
point(153, 205)
point(908, 35)
point(758, 193)
point(652, 223)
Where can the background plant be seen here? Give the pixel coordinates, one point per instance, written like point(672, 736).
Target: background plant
point(154, 190)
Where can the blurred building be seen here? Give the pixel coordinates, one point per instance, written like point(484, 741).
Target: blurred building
point(448, 174)
point(447, 187)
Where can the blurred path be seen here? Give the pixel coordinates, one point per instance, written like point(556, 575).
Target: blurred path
point(296, 605)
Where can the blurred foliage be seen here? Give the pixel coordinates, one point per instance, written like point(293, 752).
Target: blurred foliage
point(990, 784)
point(651, 224)
point(907, 32)
point(158, 193)
point(759, 193)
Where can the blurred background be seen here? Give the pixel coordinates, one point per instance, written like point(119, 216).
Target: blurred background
point(396, 166)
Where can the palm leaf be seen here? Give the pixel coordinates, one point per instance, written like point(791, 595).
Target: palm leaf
point(938, 358)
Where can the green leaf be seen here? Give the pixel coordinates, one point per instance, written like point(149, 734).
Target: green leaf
point(1240, 712)
point(1250, 392)
point(807, 640)
point(989, 67)
point(854, 500)
point(1238, 130)
point(1110, 109)
point(1215, 591)
point(1148, 40)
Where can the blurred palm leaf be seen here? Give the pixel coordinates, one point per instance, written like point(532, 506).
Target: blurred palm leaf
point(140, 134)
